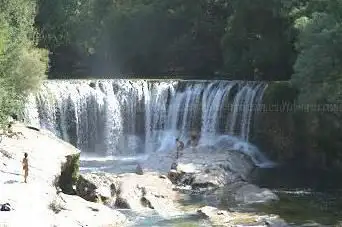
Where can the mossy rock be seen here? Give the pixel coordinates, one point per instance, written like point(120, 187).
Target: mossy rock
point(69, 174)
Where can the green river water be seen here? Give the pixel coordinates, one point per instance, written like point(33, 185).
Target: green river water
point(307, 198)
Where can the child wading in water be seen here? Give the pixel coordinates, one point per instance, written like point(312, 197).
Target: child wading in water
point(25, 166)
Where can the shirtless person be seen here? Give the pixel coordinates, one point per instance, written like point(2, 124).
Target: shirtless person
point(193, 142)
point(180, 147)
point(25, 166)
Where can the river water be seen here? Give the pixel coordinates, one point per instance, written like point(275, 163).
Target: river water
point(118, 123)
point(307, 198)
point(310, 197)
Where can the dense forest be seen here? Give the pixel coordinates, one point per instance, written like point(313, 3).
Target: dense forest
point(249, 39)
point(298, 41)
point(231, 39)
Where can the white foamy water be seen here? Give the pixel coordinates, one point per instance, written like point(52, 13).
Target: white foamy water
point(123, 117)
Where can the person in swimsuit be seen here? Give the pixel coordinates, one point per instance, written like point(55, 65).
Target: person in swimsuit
point(25, 167)
point(193, 142)
point(180, 147)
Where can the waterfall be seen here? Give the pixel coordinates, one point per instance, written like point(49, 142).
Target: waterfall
point(135, 116)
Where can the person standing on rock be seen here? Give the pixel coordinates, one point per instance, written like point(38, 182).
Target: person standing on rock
point(193, 142)
point(25, 166)
point(180, 147)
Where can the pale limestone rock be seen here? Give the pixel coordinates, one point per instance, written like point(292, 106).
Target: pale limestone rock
point(139, 192)
point(46, 153)
point(187, 168)
point(88, 213)
point(220, 169)
point(204, 169)
point(31, 202)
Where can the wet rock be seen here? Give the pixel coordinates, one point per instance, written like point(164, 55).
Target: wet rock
point(243, 192)
point(113, 190)
point(99, 188)
point(208, 180)
point(121, 203)
point(139, 170)
point(86, 189)
point(140, 193)
point(224, 169)
point(146, 203)
point(226, 218)
point(200, 170)
point(92, 85)
point(5, 207)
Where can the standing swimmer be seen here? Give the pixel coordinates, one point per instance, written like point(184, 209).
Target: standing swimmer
point(25, 166)
point(180, 147)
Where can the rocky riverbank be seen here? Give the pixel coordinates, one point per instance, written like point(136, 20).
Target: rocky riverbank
point(99, 196)
point(40, 202)
point(222, 175)
point(225, 169)
point(154, 194)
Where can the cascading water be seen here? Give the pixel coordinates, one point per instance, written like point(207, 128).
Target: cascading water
point(113, 117)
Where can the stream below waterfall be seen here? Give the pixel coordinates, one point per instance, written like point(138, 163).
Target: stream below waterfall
point(306, 198)
point(120, 123)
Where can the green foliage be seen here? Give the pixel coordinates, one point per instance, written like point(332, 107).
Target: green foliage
point(273, 40)
point(75, 168)
point(257, 43)
point(245, 39)
point(22, 66)
point(280, 93)
point(318, 67)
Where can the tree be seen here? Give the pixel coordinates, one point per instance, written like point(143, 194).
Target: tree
point(318, 75)
point(258, 41)
point(22, 66)
point(140, 36)
point(318, 66)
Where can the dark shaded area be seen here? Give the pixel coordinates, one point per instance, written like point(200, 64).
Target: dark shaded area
point(33, 128)
point(306, 195)
point(69, 174)
point(289, 177)
point(301, 134)
point(247, 40)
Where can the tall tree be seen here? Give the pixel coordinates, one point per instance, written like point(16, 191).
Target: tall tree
point(22, 66)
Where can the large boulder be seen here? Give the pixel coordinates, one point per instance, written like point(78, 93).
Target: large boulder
point(146, 193)
point(48, 156)
point(204, 169)
point(88, 214)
